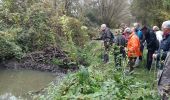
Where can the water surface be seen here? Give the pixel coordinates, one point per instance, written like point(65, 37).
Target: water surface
point(20, 82)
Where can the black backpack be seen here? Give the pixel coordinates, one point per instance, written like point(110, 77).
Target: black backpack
point(108, 35)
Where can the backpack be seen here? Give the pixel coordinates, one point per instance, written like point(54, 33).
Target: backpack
point(112, 36)
point(120, 40)
point(108, 36)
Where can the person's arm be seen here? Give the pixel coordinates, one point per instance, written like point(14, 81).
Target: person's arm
point(143, 38)
point(167, 49)
point(112, 36)
point(123, 41)
point(163, 53)
point(100, 38)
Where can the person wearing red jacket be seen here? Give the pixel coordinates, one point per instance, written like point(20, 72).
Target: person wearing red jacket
point(133, 48)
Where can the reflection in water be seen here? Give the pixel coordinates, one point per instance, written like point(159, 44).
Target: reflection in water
point(8, 96)
point(20, 82)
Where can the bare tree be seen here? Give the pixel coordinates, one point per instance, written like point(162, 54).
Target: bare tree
point(111, 12)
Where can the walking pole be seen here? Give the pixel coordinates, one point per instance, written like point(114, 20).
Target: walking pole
point(103, 53)
point(154, 76)
point(153, 61)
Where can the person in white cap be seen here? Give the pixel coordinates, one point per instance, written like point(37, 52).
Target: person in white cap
point(159, 34)
point(164, 78)
point(107, 36)
point(108, 39)
point(165, 44)
point(133, 48)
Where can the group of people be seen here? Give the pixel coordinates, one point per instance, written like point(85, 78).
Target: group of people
point(132, 42)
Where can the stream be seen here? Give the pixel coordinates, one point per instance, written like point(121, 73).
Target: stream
point(17, 83)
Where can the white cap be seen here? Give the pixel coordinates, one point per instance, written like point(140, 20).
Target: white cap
point(103, 26)
point(155, 28)
point(136, 25)
point(166, 24)
point(127, 30)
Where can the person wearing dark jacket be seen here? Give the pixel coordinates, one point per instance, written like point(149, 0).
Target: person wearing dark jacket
point(107, 36)
point(164, 78)
point(165, 43)
point(120, 42)
point(108, 39)
point(151, 40)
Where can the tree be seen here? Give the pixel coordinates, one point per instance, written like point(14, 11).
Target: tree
point(110, 12)
point(151, 12)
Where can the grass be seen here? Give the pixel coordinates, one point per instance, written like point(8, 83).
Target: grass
point(145, 76)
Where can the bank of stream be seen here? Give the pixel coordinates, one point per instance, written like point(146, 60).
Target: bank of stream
point(34, 72)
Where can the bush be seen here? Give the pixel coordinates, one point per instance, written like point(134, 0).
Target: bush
point(8, 48)
point(36, 32)
point(74, 31)
point(36, 26)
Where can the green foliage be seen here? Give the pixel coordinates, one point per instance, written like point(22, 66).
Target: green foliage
point(34, 26)
point(36, 32)
point(73, 30)
point(23, 31)
point(8, 48)
point(100, 82)
point(75, 36)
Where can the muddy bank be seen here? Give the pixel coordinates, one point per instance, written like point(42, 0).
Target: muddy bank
point(42, 61)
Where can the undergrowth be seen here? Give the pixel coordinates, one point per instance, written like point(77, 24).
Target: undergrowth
point(100, 81)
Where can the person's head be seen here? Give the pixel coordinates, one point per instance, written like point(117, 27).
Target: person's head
point(155, 28)
point(103, 27)
point(116, 33)
point(166, 27)
point(144, 29)
point(128, 30)
point(136, 25)
point(119, 32)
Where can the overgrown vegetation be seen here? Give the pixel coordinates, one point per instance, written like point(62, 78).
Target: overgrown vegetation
point(102, 81)
point(33, 26)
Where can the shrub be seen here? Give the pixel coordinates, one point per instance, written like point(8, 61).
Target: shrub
point(8, 48)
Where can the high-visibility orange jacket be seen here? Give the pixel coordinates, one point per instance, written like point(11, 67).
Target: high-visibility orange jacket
point(133, 46)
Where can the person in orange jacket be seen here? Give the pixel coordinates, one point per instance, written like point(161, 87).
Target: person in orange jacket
point(133, 48)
